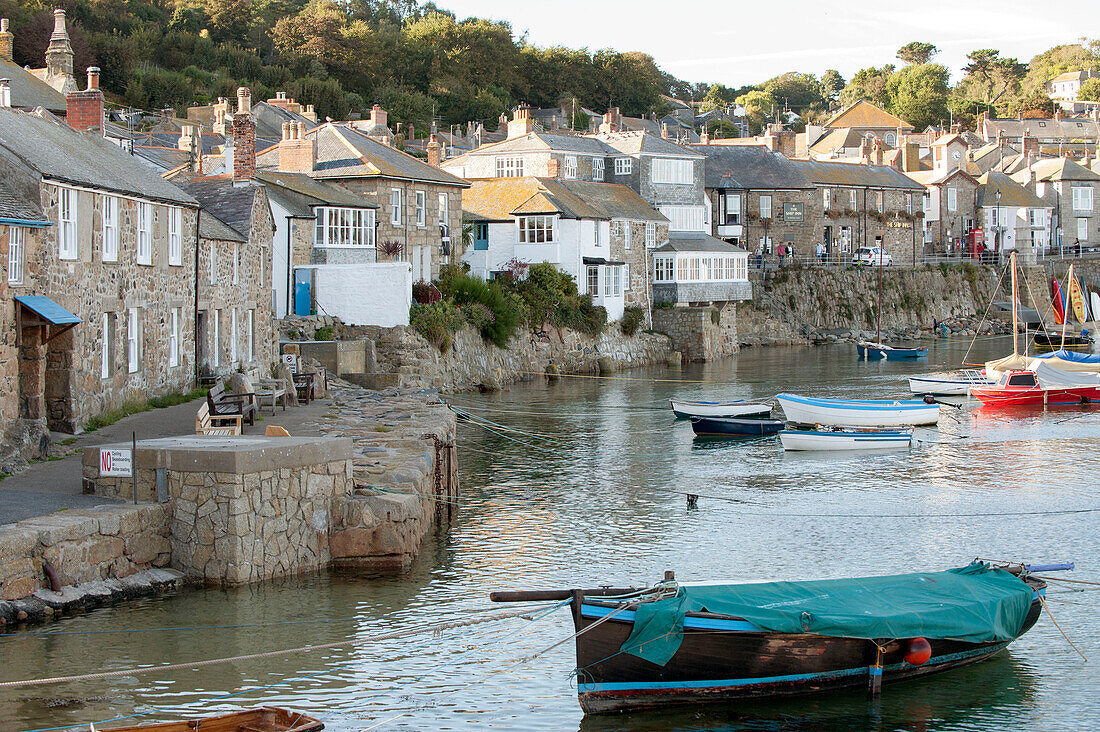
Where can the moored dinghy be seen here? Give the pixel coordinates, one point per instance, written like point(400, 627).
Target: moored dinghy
point(840, 438)
point(859, 413)
point(871, 351)
point(686, 409)
point(677, 644)
point(948, 384)
point(734, 426)
point(261, 719)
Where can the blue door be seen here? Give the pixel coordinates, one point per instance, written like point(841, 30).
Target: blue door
point(302, 300)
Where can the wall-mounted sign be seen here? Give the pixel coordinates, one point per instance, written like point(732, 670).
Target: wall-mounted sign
point(792, 212)
point(116, 463)
point(291, 361)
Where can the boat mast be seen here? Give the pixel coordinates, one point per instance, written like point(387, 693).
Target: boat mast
point(1068, 306)
point(878, 305)
point(1015, 297)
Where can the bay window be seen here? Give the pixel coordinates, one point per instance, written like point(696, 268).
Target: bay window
point(344, 227)
point(538, 229)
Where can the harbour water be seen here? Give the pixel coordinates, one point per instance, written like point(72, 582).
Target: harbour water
point(580, 483)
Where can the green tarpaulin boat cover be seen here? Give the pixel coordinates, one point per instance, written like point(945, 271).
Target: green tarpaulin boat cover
point(975, 603)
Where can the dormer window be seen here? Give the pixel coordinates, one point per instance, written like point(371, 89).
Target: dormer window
point(570, 167)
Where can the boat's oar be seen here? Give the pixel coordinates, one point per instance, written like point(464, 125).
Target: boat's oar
point(931, 399)
point(1063, 567)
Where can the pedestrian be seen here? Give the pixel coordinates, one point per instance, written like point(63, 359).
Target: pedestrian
point(1077, 248)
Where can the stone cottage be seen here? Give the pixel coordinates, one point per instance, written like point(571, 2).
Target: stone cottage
point(119, 257)
point(1071, 190)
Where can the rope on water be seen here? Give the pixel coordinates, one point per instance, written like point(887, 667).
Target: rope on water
point(631, 378)
point(1043, 602)
point(436, 628)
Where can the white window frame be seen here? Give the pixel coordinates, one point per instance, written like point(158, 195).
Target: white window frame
point(624, 166)
point(396, 203)
point(952, 199)
point(650, 235)
point(685, 218)
point(569, 170)
point(233, 335)
point(509, 167)
point(216, 350)
point(421, 199)
point(827, 198)
point(539, 229)
point(107, 347)
point(174, 338)
point(343, 228)
point(627, 235)
point(251, 335)
point(592, 280)
point(596, 234)
point(109, 250)
point(765, 205)
point(909, 203)
point(236, 263)
point(597, 169)
point(729, 204)
point(67, 219)
point(17, 248)
point(444, 208)
point(175, 236)
point(133, 340)
point(1082, 198)
point(144, 233)
point(1082, 229)
point(672, 171)
point(664, 269)
point(852, 199)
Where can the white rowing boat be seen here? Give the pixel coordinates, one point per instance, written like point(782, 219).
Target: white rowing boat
point(686, 409)
point(957, 383)
point(857, 412)
point(846, 439)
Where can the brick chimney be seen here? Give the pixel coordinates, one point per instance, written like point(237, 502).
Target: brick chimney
point(553, 167)
point(664, 130)
point(219, 112)
point(864, 152)
point(876, 152)
point(704, 137)
point(910, 157)
point(1030, 146)
point(7, 40)
point(59, 56)
point(521, 123)
point(378, 116)
point(1057, 114)
point(297, 153)
point(85, 108)
point(434, 151)
point(280, 100)
point(244, 138)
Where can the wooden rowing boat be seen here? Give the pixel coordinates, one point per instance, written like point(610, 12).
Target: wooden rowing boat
point(261, 719)
point(686, 409)
point(796, 642)
point(846, 439)
point(858, 412)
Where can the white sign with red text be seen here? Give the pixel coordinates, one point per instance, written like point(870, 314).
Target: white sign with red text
point(116, 463)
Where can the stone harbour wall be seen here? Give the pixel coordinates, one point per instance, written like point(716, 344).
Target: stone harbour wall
point(82, 545)
point(700, 333)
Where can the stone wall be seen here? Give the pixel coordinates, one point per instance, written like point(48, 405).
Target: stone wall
point(471, 362)
point(700, 333)
point(82, 545)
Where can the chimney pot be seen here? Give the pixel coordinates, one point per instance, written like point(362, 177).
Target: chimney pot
point(244, 100)
point(93, 78)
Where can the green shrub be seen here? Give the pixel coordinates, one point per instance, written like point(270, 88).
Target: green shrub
point(633, 317)
point(324, 333)
point(437, 322)
point(465, 290)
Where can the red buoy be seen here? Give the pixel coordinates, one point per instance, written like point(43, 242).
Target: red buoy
point(918, 652)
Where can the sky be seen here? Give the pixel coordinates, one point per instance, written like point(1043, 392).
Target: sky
point(736, 43)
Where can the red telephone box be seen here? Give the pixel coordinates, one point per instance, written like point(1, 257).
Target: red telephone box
point(976, 242)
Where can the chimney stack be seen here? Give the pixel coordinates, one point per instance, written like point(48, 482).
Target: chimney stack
point(664, 130)
point(59, 56)
point(434, 151)
point(297, 153)
point(85, 108)
point(5, 93)
point(864, 152)
point(521, 123)
point(910, 157)
point(244, 138)
point(7, 40)
point(553, 167)
point(378, 116)
point(219, 112)
point(704, 137)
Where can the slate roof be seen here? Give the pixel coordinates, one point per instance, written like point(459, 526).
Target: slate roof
point(939, 177)
point(865, 114)
point(344, 152)
point(224, 203)
point(543, 141)
point(500, 199)
point(56, 151)
point(1056, 169)
point(692, 241)
point(19, 198)
point(829, 173)
point(750, 167)
point(637, 141)
point(1084, 128)
point(298, 193)
point(836, 140)
point(269, 120)
point(28, 91)
point(1013, 194)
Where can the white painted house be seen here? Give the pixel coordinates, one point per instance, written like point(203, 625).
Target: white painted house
point(1013, 217)
point(583, 228)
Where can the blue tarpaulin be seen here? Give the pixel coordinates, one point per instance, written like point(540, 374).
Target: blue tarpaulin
point(975, 603)
point(48, 310)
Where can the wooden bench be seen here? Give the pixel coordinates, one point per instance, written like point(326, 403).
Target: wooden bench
point(269, 390)
point(225, 424)
point(223, 403)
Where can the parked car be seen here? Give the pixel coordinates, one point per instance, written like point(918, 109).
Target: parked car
point(872, 255)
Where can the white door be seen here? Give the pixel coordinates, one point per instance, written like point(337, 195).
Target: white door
point(414, 259)
point(426, 263)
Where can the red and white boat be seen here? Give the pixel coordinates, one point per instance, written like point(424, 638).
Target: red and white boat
point(1040, 385)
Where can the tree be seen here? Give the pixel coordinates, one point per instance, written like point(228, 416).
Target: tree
point(868, 84)
point(722, 128)
point(831, 85)
point(795, 91)
point(993, 74)
point(759, 106)
point(917, 53)
point(1090, 90)
point(918, 94)
point(718, 96)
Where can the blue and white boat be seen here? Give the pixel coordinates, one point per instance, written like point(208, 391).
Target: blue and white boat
point(686, 409)
point(846, 439)
point(858, 412)
point(950, 384)
point(872, 351)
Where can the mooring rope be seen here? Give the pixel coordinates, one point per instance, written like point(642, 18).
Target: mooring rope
point(1043, 602)
point(436, 628)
